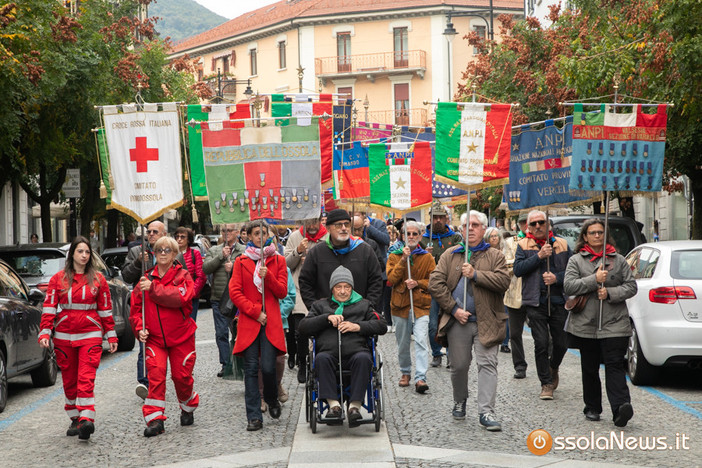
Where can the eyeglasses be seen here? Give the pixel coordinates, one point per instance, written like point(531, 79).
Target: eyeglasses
point(345, 225)
point(540, 222)
point(165, 251)
point(595, 233)
point(181, 236)
point(412, 234)
point(153, 231)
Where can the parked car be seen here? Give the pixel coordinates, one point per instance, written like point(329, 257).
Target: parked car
point(20, 320)
point(37, 263)
point(114, 258)
point(626, 232)
point(666, 313)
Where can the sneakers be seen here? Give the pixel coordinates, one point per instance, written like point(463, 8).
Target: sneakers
point(302, 374)
point(404, 380)
point(624, 414)
point(546, 392)
point(505, 349)
point(254, 425)
point(354, 417)
point(436, 361)
point(520, 374)
point(592, 416)
point(85, 428)
point(73, 428)
point(186, 418)
point(490, 422)
point(421, 386)
point(142, 391)
point(459, 410)
point(154, 428)
point(554, 378)
point(274, 410)
point(282, 394)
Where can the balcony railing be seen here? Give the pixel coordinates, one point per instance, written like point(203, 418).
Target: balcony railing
point(384, 62)
point(415, 117)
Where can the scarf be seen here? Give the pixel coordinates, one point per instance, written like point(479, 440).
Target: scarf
point(254, 253)
point(521, 235)
point(353, 243)
point(355, 297)
point(417, 251)
point(322, 231)
point(541, 242)
point(595, 255)
point(478, 248)
point(437, 236)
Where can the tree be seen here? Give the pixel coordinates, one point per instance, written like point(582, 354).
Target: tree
point(651, 48)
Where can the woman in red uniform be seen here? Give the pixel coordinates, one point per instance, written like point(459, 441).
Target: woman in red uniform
point(260, 271)
point(78, 310)
point(168, 334)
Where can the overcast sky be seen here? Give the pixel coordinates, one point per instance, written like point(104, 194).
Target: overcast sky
point(233, 8)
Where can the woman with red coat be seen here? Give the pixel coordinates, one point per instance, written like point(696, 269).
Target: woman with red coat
point(191, 259)
point(260, 272)
point(168, 334)
point(78, 310)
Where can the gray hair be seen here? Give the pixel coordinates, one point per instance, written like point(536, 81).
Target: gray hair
point(416, 225)
point(535, 213)
point(489, 232)
point(482, 218)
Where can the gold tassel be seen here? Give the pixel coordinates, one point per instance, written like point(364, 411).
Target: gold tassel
point(103, 190)
point(195, 219)
point(111, 180)
point(187, 176)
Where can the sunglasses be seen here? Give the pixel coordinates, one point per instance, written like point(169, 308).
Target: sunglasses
point(540, 222)
point(181, 236)
point(165, 251)
point(153, 231)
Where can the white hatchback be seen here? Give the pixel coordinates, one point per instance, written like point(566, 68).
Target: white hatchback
point(666, 312)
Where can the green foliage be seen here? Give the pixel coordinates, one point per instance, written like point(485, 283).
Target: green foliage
point(179, 19)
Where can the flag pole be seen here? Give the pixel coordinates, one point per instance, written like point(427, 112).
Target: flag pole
point(604, 254)
point(467, 251)
point(409, 269)
point(143, 306)
point(263, 262)
point(431, 226)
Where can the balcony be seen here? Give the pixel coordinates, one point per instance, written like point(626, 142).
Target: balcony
point(413, 117)
point(372, 65)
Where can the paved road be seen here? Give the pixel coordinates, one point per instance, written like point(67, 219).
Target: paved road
point(32, 428)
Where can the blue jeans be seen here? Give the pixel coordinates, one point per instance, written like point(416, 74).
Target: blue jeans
point(403, 329)
point(142, 378)
point(196, 305)
point(221, 324)
point(433, 328)
point(267, 352)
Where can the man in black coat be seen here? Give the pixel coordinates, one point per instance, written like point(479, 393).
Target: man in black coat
point(344, 316)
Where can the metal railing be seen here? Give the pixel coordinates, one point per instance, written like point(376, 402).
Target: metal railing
point(399, 117)
point(371, 63)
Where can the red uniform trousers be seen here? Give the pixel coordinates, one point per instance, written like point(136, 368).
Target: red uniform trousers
point(182, 358)
point(78, 366)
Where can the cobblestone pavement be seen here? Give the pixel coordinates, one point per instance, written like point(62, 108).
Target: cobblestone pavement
point(32, 428)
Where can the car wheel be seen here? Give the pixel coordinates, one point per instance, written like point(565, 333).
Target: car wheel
point(3, 382)
point(45, 375)
point(640, 371)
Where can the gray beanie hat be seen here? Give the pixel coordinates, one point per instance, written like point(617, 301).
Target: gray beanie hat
point(340, 275)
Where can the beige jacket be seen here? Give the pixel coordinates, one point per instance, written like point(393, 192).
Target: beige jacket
point(513, 295)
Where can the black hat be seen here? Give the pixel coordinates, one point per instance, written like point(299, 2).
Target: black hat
point(401, 222)
point(337, 215)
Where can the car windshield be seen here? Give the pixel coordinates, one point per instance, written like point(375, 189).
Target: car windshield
point(621, 235)
point(35, 263)
point(685, 264)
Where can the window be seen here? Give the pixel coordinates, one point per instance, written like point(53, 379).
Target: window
point(282, 63)
point(402, 104)
point(481, 31)
point(343, 51)
point(643, 262)
point(348, 90)
point(400, 44)
point(11, 285)
point(254, 64)
point(200, 75)
point(225, 65)
point(685, 264)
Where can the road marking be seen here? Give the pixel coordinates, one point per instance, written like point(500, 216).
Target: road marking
point(29, 409)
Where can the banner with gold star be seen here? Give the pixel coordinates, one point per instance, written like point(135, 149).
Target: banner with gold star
point(472, 144)
point(400, 175)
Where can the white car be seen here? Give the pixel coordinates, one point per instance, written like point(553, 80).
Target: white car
point(666, 312)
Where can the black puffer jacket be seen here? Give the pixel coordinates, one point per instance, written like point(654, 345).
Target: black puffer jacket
point(316, 324)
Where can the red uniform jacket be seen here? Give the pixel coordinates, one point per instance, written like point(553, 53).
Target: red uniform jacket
point(247, 299)
point(79, 314)
point(168, 304)
point(193, 263)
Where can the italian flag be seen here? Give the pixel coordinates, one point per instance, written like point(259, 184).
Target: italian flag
point(472, 144)
point(400, 175)
point(302, 107)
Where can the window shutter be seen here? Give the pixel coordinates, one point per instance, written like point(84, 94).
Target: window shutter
point(233, 58)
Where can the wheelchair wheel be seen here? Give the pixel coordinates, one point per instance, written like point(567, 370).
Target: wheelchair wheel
point(308, 405)
point(313, 417)
point(378, 413)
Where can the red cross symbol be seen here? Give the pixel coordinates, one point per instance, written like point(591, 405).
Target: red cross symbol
point(142, 155)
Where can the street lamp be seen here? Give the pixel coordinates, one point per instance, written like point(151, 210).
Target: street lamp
point(366, 105)
point(223, 83)
point(450, 31)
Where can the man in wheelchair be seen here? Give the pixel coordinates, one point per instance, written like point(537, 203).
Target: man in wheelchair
point(343, 322)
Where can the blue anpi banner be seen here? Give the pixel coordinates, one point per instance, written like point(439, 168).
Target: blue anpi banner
point(539, 168)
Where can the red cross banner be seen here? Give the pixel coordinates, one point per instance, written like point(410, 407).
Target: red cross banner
point(144, 150)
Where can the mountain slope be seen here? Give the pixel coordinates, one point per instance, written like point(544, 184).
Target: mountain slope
point(183, 18)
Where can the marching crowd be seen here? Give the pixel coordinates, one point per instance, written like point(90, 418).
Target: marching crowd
point(343, 278)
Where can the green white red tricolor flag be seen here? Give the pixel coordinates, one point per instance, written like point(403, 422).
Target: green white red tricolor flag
point(144, 153)
point(400, 175)
point(473, 144)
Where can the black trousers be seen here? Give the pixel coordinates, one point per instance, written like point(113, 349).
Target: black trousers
point(516, 318)
point(612, 353)
point(360, 365)
point(545, 325)
point(297, 348)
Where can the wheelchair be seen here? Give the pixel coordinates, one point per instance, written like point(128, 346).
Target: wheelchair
point(373, 403)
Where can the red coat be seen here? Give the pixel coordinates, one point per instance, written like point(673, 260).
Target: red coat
point(80, 314)
point(247, 299)
point(168, 304)
point(193, 263)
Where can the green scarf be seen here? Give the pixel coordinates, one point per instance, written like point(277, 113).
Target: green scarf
point(355, 297)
